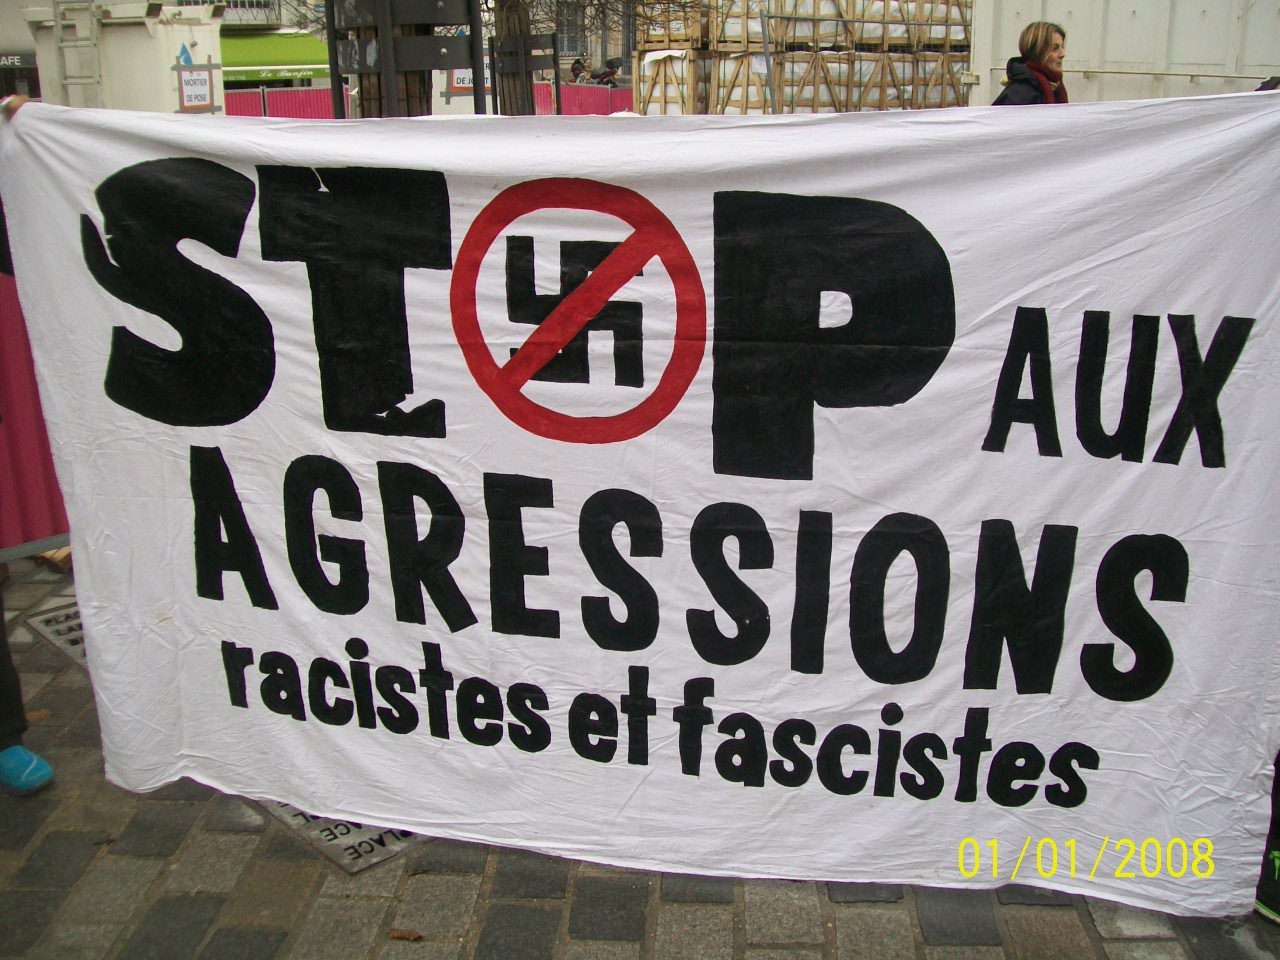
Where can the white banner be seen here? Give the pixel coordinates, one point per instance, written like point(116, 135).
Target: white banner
point(873, 497)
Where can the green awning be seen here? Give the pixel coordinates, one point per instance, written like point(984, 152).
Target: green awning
point(279, 55)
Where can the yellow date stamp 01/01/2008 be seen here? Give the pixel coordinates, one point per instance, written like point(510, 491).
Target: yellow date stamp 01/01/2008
point(1131, 858)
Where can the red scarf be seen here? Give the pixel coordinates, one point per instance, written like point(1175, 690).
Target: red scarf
point(1051, 85)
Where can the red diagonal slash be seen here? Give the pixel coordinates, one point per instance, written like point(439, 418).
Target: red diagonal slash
point(581, 306)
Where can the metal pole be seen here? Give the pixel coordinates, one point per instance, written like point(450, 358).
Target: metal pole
point(335, 78)
point(477, 56)
point(386, 56)
point(768, 63)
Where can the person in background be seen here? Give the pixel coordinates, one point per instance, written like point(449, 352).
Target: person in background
point(21, 771)
point(1036, 76)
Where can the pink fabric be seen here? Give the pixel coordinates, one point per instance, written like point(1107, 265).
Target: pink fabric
point(31, 506)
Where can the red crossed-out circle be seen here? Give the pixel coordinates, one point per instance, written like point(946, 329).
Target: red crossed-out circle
point(653, 236)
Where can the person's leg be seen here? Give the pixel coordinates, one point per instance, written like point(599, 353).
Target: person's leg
point(21, 771)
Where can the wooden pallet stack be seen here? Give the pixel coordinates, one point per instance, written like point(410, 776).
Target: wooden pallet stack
point(805, 56)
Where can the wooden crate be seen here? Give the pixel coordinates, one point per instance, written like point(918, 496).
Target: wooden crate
point(671, 25)
point(735, 26)
point(739, 84)
point(943, 26)
point(796, 25)
point(881, 24)
point(813, 81)
point(670, 82)
point(882, 80)
point(937, 80)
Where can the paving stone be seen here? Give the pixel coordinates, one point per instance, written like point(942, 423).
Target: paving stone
point(83, 732)
point(244, 943)
point(1145, 950)
point(33, 683)
point(448, 856)
point(438, 907)
point(517, 931)
point(398, 950)
point(694, 932)
point(964, 953)
point(211, 862)
point(72, 766)
point(59, 860)
point(64, 703)
point(608, 908)
point(874, 932)
point(1225, 939)
point(956, 917)
point(95, 805)
point(110, 890)
point(172, 927)
point(778, 911)
point(522, 875)
point(20, 594)
point(76, 941)
point(41, 657)
point(284, 844)
point(22, 817)
point(24, 914)
point(1115, 921)
point(184, 789)
point(272, 894)
point(156, 830)
point(225, 814)
point(787, 953)
point(686, 888)
point(600, 950)
point(1032, 896)
point(371, 883)
point(864, 892)
point(339, 929)
point(1047, 933)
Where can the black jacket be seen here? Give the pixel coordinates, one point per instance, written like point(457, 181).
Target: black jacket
point(1021, 85)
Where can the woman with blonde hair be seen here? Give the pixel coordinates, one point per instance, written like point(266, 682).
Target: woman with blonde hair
point(1036, 76)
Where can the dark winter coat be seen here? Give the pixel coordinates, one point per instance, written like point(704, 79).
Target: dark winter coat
point(1022, 85)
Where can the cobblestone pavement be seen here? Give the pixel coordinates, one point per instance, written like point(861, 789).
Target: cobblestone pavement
point(90, 871)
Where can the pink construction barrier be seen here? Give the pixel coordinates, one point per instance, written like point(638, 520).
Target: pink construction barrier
point(31, 508)
point(303, 103)
point(580, 99)
point(244, 103)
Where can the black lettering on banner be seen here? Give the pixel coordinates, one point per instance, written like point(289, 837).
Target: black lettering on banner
point(593, 727)
point(422, 563)
point(639, 707)
point(217, 509)
point(601, 513)
point(528, 729)
point(692, 716)
point(1125, 616)
point(477, 700)
point(1004, 610)
point(882, 545)
point(226, 362)
point(1028, 343)
point(919, 753)
point(1130, 437)
point(793, 768)
point(235, 661)
point(436, 681)
point(305, 476)
point(339, 710)
point(711, 528)
point(1012, 764)
point(830, 762)
point(743, 757)
point(399, 715)
point(813, 591)
point(1071, 792)
point(621, 318)
point(281, 686)
point(1202, 381)
point(358, 229)
point(969, 747)
point(775, 255)
point(511, 559)
point(361, 685)
point(888, 751)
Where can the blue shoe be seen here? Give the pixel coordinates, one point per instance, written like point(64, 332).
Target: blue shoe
point(23, 772)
